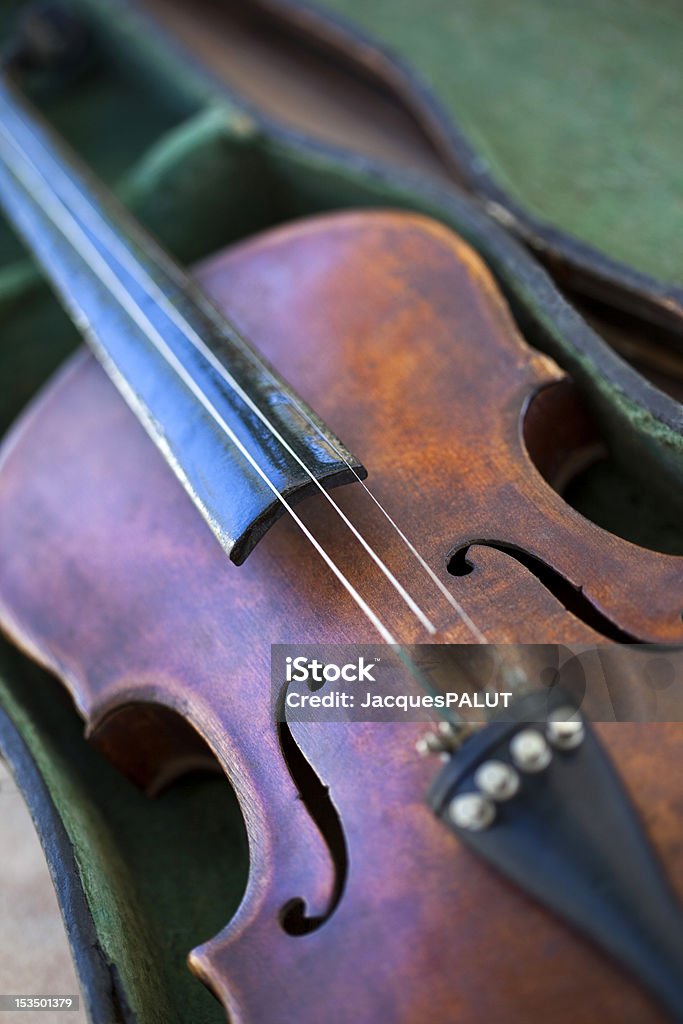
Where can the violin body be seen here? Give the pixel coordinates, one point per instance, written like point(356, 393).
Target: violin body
point(360, 906)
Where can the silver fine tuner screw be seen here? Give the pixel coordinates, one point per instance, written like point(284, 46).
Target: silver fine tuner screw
point(471, 811)
point(430, 743)
point(529, 750)
point(444, 742)
point(497, 780)
point(454, 734)
point(437, 743)
point(565, 729)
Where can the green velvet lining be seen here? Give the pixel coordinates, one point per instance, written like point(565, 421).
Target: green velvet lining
point(203, 185)
point(574, 106)
point(160, 876)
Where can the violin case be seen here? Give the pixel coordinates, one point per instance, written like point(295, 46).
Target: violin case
point(562, 119)
point(142, 881)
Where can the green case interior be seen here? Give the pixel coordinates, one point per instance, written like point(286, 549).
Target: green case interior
point(574, 106)
point(159, 876)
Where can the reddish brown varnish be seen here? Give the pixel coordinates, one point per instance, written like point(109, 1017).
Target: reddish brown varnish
point(392, 329)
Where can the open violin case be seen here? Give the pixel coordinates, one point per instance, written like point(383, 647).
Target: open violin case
point(202, 165)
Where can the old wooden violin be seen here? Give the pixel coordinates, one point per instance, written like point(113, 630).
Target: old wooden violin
point(369, 896)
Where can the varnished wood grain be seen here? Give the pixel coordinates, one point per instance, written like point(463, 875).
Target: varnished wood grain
point(394, 332)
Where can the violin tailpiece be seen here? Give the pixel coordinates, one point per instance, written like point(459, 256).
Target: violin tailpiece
point(538, 798)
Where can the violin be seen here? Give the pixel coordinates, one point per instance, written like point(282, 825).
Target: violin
point(334, 433)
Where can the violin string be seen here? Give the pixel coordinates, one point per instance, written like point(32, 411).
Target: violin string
point(151, 287)
point(196, 390)
point(479, 636)
point(155, 292)
point(200, 345)
point(116, 288)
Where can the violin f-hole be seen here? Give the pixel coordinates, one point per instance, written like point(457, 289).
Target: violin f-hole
point(462, 563)
point(294, 918)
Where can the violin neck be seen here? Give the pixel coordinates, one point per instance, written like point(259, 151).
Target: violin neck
point(232, 430)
